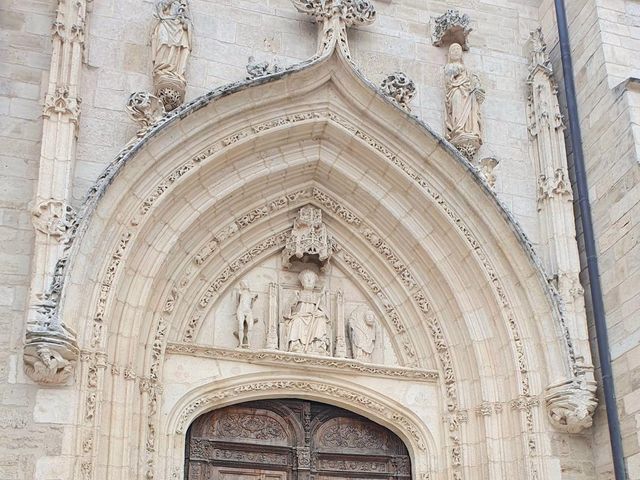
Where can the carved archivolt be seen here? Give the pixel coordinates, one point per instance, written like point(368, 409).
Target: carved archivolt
point(359, 400)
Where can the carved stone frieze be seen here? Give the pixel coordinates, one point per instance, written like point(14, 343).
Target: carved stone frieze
point(571, 404)
point(450, 27)
point(54, 218)
point(261, 69)
point(399, 88)
point(146, 110)
point(171, 45)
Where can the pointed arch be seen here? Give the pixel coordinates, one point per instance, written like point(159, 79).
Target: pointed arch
point(213, 189)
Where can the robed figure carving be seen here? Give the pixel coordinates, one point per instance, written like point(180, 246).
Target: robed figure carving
point(171, 45)
point(362, 333)
point(463, 98)
point(307, 324)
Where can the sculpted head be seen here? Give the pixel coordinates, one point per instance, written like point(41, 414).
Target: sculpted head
point(455, 52)
point(308, 279)
point(369, 318)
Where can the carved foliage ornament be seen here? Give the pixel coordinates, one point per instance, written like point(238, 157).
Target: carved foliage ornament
point(336, 16)
point(399, 88)
point(351, 11)
point(54, 217)
point(261, 69)
point(451, 27)
point(146, 110)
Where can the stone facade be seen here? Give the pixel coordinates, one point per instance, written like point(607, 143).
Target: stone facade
point(121, 289)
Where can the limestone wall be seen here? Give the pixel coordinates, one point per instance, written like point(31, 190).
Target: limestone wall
point(117, 62)
point(604, 38)
point(25, 49)
point(227, 33)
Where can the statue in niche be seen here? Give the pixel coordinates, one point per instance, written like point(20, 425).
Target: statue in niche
point(362, 334)
point(244, 313)
point(171, 46)
point(463, 97)
point(306, 323)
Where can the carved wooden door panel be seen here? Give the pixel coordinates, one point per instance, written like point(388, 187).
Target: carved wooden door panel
point(292, 440)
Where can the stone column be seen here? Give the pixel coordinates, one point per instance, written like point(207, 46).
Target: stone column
point(341, 345)
point(272, 327)
point(51, 351)
point(558, 245)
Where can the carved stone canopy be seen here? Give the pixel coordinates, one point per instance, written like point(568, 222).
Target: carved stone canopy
point(308, 240)
point(451, 27)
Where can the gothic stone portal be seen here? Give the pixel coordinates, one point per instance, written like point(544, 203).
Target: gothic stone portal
point(289, 440)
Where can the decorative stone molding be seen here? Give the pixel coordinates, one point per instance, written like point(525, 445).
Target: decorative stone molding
point(336, 16)
point(61, 103)
point(171, 45)
point(261, 69)
point(146, 110)
point(486, 166)
point(293, 387)
point(463, 97)
point(399, 88)
point(50, 355)
point(305, 362)
point(450, 27)
point(54, 218)
point(571, 404)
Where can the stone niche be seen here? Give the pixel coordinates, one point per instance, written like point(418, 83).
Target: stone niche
point(273, 289)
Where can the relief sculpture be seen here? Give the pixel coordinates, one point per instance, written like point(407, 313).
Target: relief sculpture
point(362, 333)
point(244, 313)
point(306, 323)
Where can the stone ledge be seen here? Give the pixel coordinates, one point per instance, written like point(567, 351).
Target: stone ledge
point(304, 362)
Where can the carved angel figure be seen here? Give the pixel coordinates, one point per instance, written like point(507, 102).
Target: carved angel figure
point(362, 333)
point(244, 313)
point(171, 43)
point(462, 104)
point(306, 321)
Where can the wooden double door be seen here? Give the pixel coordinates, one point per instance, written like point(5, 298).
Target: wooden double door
point(292, 440)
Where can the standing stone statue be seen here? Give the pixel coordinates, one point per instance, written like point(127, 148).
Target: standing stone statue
point(244, 313)
point(306, 322)
point(362, 333)
point(171, 46)
point(463, 98)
